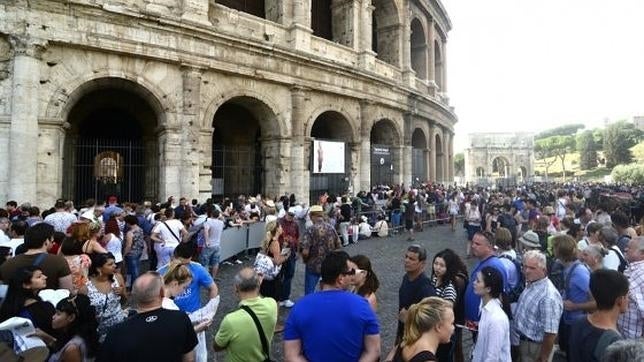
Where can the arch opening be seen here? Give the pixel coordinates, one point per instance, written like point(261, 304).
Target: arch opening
point(330, 155)
point(440, 156)
point(418, 49)
point(111, 147)
point(500, 167)
point(438, 65)
point(480, 172)
point(244, 129)
point(384, 153)
point(386, 32)
point(419, 156)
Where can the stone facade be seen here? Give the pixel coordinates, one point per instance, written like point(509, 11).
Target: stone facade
point(166, 75)
point(499, 157)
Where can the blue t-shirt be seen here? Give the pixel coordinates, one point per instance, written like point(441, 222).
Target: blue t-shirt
point(577, 284)
point(473, 301)
point(190, 300)
point(331, 325)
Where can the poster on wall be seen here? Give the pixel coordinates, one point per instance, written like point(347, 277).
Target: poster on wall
point(328, 157)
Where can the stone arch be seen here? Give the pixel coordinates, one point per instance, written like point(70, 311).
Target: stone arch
point(384, 140)
point(260, 101)
point(246, 136)
point(62, 100)
point(480, 172)
point(116, 120)
point(350, 122)
point(501, 167)
point(386, 31)
point(418, 48)
point(522, 173)
point(438, 64)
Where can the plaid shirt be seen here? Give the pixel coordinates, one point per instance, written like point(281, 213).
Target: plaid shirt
point(319, 239)
point(631, 323)
point(538, 310)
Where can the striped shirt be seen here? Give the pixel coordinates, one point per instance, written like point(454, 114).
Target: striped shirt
point(445, 291)
point(631, 323)
point(538, 310)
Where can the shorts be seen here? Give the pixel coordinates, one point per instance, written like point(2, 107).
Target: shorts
point(409, 224)
point(210, 256)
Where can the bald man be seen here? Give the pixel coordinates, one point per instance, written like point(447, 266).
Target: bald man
point(161, 334)
point(238, 333)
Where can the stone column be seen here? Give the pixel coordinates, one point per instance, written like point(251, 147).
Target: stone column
point(300, 181)
point(451, 156)
point(205, 162)
point(365, 150)
point(277, 159)
point(345, 19)
point(431, 59)
point(50, 160)
point(407, 163)
point(409, 76)
point(398, 158)
point(427, 155)
point(23, 131)
point(433, 153)
point(300, 27)
point(190, 132)
point(447, 156)
point(170, 171)
point(354, 172)
point(444, 68)
point(196, 11)
point(367, 55)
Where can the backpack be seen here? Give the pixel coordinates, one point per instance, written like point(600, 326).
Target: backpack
point(508, 222)
point(514, 293)
point(622, 242)
point(622, 261)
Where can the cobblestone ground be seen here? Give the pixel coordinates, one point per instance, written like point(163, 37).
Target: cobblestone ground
point(386, 255)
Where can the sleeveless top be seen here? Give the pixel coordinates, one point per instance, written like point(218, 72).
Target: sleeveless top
point(107, 307)
point(75, 341)
point(138, 242)
point(115, 246)
point(421, 356)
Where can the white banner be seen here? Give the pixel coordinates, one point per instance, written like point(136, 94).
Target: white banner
point(328, 157)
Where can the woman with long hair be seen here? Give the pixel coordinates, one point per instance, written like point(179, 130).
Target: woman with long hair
point(271, 247)
point(429, 323)
point(106, 292)
point(113, 240)
point(22, 299)
point(75, 322)
point(493, 343)
point(365, 280)
point(134, 247)
point(449, 278)
point(85, 236)
point(78, 262)
point(175, 281)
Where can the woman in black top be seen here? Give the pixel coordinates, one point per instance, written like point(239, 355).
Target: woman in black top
point(429, 323)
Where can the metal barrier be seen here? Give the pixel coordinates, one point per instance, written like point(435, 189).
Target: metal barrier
point(236, 240)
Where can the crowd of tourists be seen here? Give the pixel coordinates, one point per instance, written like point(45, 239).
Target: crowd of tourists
point(559, 269)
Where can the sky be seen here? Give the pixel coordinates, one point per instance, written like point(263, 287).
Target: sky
point(530, 65)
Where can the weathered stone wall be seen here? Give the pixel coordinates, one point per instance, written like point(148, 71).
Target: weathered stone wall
point(513, 149)
point(187, 58)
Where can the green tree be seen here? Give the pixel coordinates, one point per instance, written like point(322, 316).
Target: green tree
point(587, 149)
point(566, 130)
point(632, 174)
point(555, 148)
point(619, 137)
point(459, 163)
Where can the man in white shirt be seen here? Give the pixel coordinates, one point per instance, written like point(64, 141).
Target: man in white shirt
point(61, 219)
point(4, 229)
point(211, 252)
point(166, 236)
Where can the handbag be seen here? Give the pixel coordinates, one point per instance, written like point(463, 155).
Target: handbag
point(262, 336)
point(264, 265)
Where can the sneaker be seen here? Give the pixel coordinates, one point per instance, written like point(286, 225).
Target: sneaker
point(287, 303)
point(238, 261)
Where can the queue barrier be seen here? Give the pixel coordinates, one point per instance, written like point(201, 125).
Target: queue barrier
point(236, 240)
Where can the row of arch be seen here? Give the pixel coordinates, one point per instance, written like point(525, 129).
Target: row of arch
point(329, 19)
point(501, 168)
point(119, 116)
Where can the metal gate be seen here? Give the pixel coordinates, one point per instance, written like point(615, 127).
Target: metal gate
point(382, 167)
point(418, 166)
point(98, 168)
point(236, 170)
point(333, 183)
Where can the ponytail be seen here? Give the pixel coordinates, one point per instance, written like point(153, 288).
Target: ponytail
point(177, 271)
point(423, 317)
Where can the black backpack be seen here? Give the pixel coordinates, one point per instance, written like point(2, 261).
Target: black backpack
point(514, 293)
point(623, 263)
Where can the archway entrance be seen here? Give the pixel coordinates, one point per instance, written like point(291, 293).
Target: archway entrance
point(384, 152)
point(440, 176)
point(418, 49)
point(522, 174)
point(330, 155)
point(111, 148)
point(418, 156)
point(500, 167)
point(480, 172)
point(242, 126)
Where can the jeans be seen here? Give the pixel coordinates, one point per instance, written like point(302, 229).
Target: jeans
point(310, 281)
point(344, 231)
point(395, 219)
point(164, 254)
point(132, 262)
point(288, 269)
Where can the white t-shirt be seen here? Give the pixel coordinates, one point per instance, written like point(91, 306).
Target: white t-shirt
point(168, 303)
point(166, 235)
point(12, 244)
point(215, 228)
point(611, 261)
point(115, 246)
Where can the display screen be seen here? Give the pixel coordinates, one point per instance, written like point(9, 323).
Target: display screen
point(328, 157)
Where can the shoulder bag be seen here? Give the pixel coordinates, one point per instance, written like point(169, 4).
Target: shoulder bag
point(262, 336)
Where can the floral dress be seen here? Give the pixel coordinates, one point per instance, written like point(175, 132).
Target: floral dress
point(108, 308)
point(79, 267)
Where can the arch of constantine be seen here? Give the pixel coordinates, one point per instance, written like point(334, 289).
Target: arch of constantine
point(506, 158)
point(152, 98)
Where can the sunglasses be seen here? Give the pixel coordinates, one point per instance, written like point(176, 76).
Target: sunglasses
point(350, 272)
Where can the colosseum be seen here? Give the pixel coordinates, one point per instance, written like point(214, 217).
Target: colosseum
point(151, 98)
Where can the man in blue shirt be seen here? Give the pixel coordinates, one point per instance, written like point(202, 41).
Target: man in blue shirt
point(483, 250)
point(332, 324)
